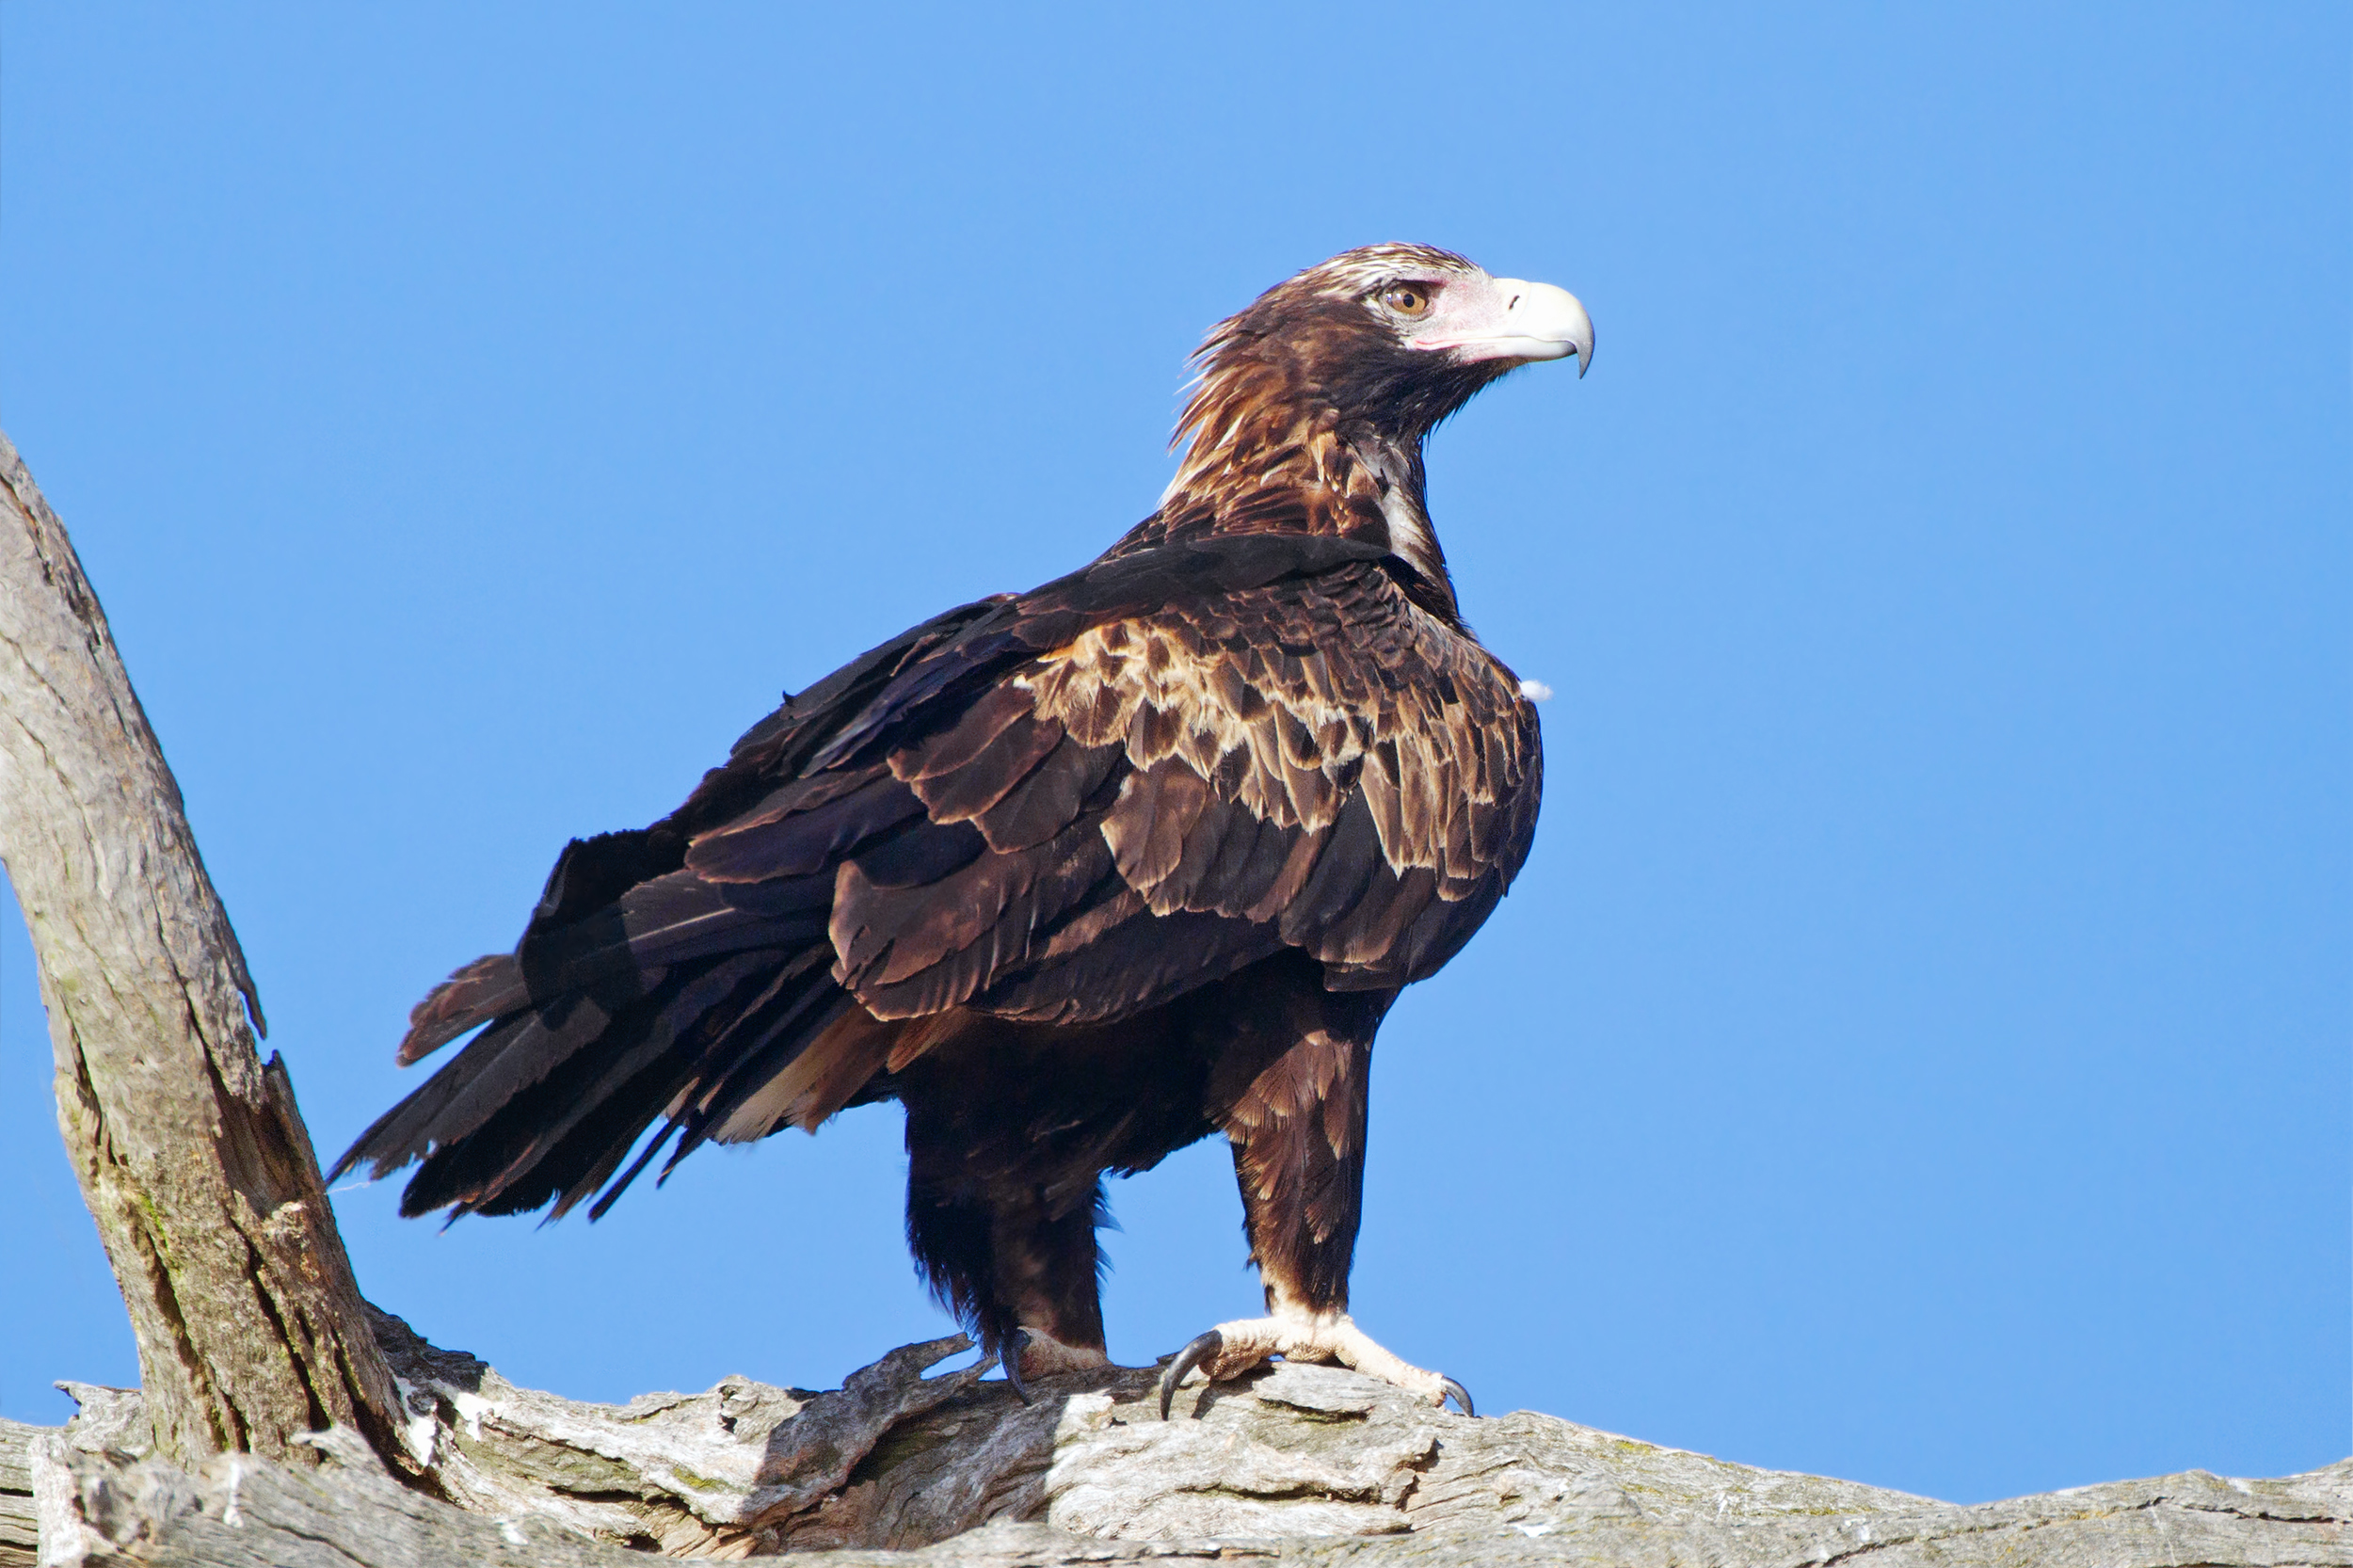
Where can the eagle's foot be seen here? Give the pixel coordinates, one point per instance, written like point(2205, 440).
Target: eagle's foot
point(1231, 1350)
point(1032, 1352)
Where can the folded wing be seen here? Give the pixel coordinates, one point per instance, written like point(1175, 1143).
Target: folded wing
point(1066, 807)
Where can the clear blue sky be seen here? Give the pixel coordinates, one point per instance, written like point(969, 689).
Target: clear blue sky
point(1917, 1049)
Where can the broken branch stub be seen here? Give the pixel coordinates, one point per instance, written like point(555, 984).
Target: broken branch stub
point(190, 1152)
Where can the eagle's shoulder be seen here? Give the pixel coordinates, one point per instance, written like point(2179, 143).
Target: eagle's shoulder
point(1320, 755)
point(1085, 800)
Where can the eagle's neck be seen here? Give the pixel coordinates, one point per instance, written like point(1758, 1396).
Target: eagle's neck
point(1402, 486)
point(1264, 464)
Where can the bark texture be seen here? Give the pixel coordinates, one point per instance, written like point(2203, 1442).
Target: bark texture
point(19, 1526)
point(189, 1149)
point(1307, 1464)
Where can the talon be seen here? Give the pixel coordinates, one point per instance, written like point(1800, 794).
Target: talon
point(1017, 1342)
point(1205, 1347)
point(1460, 1394)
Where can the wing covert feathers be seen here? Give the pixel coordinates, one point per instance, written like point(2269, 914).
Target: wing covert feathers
point(1067, 807)
point(1321, 754)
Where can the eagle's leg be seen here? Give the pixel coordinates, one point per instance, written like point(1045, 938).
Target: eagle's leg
point(1010, 1130)
point(1019, 1267)
point(1047, 1274)
point(1297, 1127)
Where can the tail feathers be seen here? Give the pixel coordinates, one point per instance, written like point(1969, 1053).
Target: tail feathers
point(559, 1151)
point(819, 1078)
point(512, 1056)
point(670, 921)
point(596, 1028)
point(595, 872)
point(778, 1033)
point(667, 921)
point(474, 995)
point(548, 1104)
point(795, 1008)
point(636, 1168)
point(775, 1030)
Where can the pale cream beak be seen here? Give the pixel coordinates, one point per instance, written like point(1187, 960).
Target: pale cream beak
point(1540, 322)
point(1516, 320)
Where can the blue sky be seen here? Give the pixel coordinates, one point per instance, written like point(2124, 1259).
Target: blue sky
point(1916, 1049)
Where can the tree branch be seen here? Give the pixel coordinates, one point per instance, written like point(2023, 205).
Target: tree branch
point(1301, 1464)
point(190, 1152)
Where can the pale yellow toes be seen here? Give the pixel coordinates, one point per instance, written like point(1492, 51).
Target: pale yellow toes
point(1251, 1341)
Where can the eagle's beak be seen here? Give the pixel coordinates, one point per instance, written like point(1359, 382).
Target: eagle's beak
point(1519, 321)
point(1541, 322)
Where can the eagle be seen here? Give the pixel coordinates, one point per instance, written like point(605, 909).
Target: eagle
point(1077, 876)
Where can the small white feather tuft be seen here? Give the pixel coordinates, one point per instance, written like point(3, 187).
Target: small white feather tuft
point(1535, 691)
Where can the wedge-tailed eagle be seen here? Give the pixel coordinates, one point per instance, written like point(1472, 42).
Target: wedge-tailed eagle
point(1077, 876)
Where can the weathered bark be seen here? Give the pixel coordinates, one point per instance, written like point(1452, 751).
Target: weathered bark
point(18, 1527)
point(189, 1149)
point(1304, 1464)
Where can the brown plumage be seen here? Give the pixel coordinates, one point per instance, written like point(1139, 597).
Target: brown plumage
point(1078, 876)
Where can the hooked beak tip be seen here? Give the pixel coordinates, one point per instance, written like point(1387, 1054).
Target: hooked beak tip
point(1550, 321)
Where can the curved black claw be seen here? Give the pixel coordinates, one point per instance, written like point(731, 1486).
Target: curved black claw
point(1017, 1342)
point(1461, 1394)
point(1205, 1347)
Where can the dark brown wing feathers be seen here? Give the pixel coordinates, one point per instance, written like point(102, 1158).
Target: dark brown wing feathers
point(1064, 807)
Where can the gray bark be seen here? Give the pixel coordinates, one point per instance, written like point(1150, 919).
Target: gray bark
point(1306, 1465)
point(189, 1149)
point(18, 1527)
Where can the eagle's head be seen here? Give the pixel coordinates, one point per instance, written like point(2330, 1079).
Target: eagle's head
point(1385, 341)
point(1312, 405)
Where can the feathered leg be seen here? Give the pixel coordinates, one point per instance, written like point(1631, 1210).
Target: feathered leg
point(1003, 1207)
point(1290, 1095)
point(1007, 1260)
point(1010, 1130)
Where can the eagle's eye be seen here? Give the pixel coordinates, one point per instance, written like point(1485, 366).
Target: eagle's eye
point(1406, 299)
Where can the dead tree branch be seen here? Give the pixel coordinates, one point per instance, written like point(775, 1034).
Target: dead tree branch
point(1299, 1465)
point(189, 1149)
